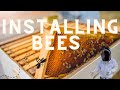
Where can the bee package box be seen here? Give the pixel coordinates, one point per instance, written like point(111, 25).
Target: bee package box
point(19, 60)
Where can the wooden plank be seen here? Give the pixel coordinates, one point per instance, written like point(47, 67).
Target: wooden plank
point(19, 48)
point(30, 58)
point(17, 45)
point(32, 70)
point(40, 72)
point(30, 65)
point(23, 42)
point(21, 51)
point(21, 39)
point(18, 58)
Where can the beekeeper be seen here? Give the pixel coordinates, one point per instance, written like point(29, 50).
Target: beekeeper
point(81, 15)
point(107, 66)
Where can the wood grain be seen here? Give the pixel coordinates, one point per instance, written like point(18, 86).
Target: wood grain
point(30, 58)
point(21, 51)
point(18, 58)
point(19, 48)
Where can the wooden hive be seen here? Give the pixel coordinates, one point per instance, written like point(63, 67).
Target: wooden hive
point(61, 64)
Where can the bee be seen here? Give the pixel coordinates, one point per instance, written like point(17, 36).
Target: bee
point(25, 59)
point(87, 42)
point(111, 40)
point(77, 65)
point(84, 60)
point(91, 42)
point(69, 55)
point(97, 41)
point(103, 44)
point(93, 49)
point(68, 66)
point(88, 55)
point(63, 64)
point(77, 51)
point(62, 53)
point(78, 55)
point(62, 60)
point(40, 61)
point(66, 63)
point(84, 51)
point(92, 52)
point(27, 54)
point(75, 58)
point(92, 45)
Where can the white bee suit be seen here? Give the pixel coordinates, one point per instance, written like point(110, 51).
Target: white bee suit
point(81, 15)
point(107, 69)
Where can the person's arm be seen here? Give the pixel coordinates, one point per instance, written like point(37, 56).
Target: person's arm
point(97, 69)
point(84, 15)
point(65, 15)
point(115, 66)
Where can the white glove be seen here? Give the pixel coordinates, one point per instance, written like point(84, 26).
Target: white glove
point(109, 73)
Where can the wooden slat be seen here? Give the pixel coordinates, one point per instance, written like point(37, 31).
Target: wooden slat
point(30, 65)
point(30, 58)
point(18, 58)
point(40, 72)
point(18, 41)
point(32, 70)
point(21, 51)
point(19, 48)
point(17, 45)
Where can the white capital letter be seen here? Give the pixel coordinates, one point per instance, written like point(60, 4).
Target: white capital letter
point(55, 27)
point(61, 42)
point(4, 26)
point(36, 40)
point(74, 42)
point(29, 26)
point(115, 31)
point(48, 42)
point(42, 24)
point(65, 28)
point(101, 28)
point(88, 26)
point(77, 27)
point(16, 27)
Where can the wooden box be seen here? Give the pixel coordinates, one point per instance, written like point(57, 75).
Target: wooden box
point(19, 60)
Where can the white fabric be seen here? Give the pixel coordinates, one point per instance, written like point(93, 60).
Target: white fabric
point(106, 69)
point(81, 15)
